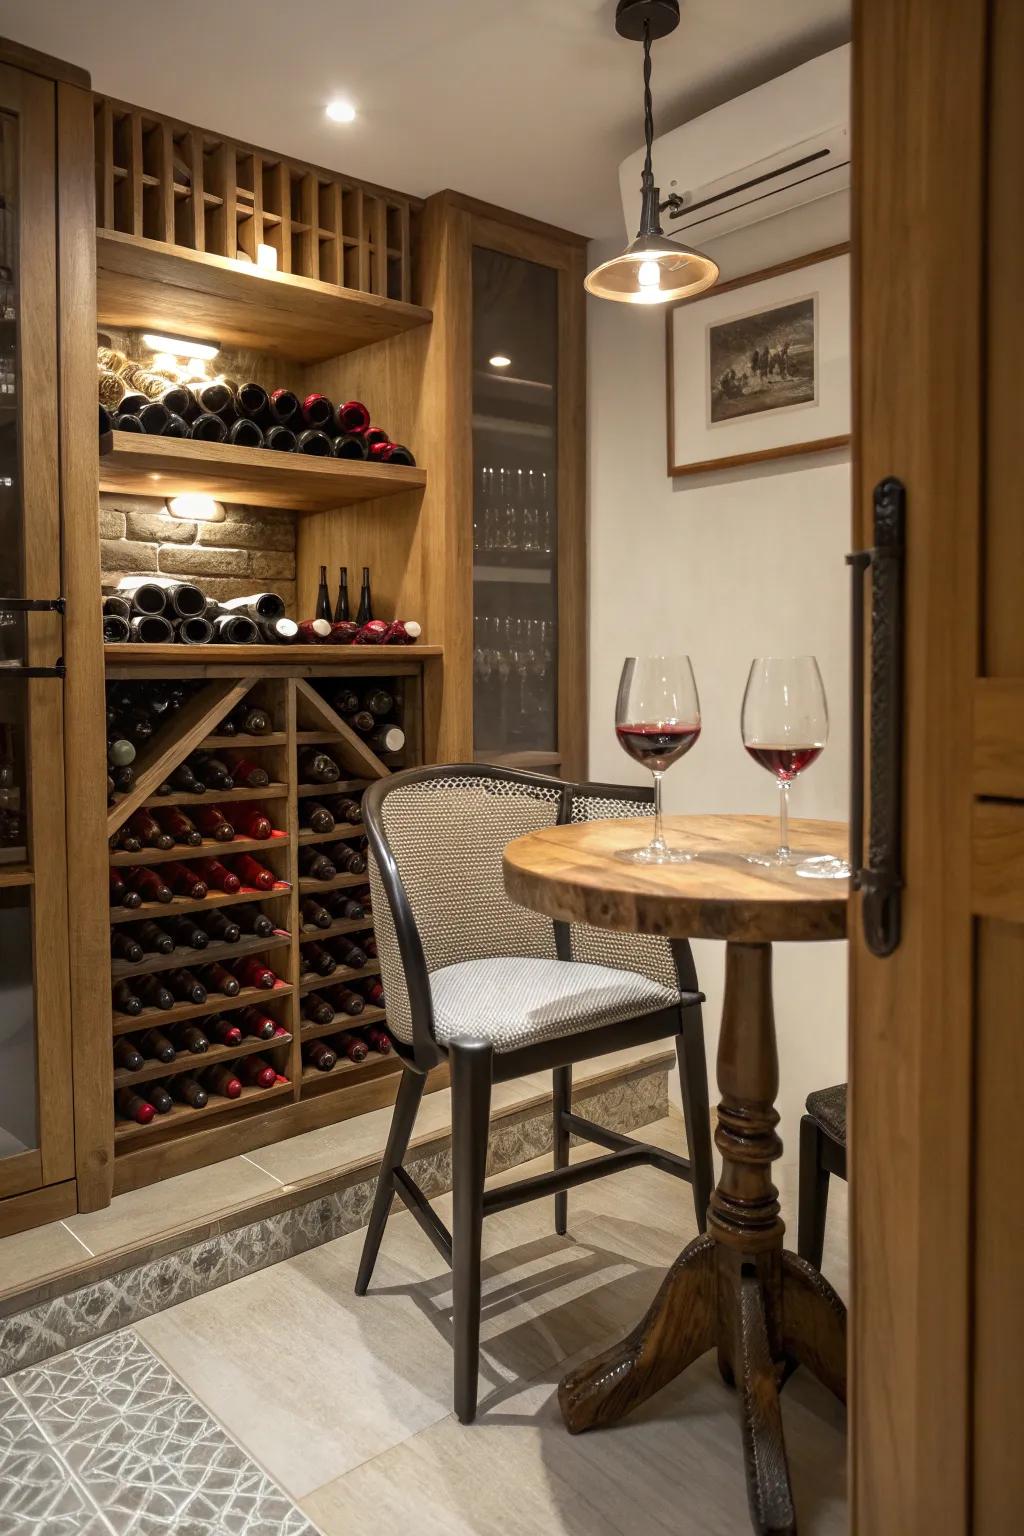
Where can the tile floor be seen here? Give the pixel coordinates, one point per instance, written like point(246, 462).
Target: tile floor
point(283, 1389)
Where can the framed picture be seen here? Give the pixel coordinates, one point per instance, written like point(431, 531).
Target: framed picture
point(759, 368)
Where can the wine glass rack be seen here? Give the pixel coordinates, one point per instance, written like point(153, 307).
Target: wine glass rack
point(297, 699)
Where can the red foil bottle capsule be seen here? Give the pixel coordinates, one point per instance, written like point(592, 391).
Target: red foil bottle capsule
point(257, 1072)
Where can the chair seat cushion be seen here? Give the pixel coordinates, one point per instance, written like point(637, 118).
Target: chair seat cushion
point(516, 1001)
point(827, 1106)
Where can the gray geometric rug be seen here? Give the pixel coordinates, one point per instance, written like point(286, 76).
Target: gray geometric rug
point(104, 1441)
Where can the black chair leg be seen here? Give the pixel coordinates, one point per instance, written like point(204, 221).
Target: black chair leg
point(562, 1104)
point(813, 1193)
point(693, 1079)
point(471, 1108)
point(410, 1092)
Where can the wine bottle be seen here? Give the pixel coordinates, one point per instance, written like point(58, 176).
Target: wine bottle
point(314, 631)
point(186, 987)
point(218, 877)
point(350, 954)
point(373, 992)
point(365, 613)
point(392, 453)
point(317, 411)
point(280, 439)
point(126, 999)
point(316, 767)
point(148, 830)
point(131, 1106)
point(188, 934)
point(212, 396)
point(182, 778)
point(251, 873)
point(318, 1054)
point(341, 613)
point(220, 926)
point(155, 1043)
point(116, 631)
point(179, 827)
point(369, 945)
point(154, 994)
point(152, 629)
point(185, 880)
point(345, 809)
point(323, 597)
point(379, 702)
point(219, 979)
point(313, 442)
point(377, 1039)
point(224, 1031)
point(314, 915)
point(157, 1095)
point(190, 1092)
point(175, 426)
point(387, 738)
point(116, 605)
point(252, 400)
point(344, 1000)
point(212, 822)
point(184, 599)
point(317, 1009)
point(127, 1056)
point(252, 920)
point(349, 445)
point(256, 1072)
point(154, 939)
point(124, 421)
point(351, 1046)
point(190, 1039)
point(375, 436)
point(122, 778)
point(315, 865)
point(249, 719)
point(154, 416)
point(125, 946)
point(345, 908)
point(125, 841)
point(361, 721)
point(279, 631)
point(132, 401)
point(244, 433)
point(248, 774)
point(235, 629)
point(345, 700)
point(220, 1079)
point(121, 752)
point(352, 417)
point(256, 1023)
point(254, 973)
point(213, 771)
point(250, 821)
point(208, 428)
point(317, 959)
point(149, 885)
point(282, 406)
point(315, 816)
point(194, 631)
point(349, 860)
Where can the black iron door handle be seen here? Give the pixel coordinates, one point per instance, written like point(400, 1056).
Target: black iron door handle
point(33, 605)
point(880, 878)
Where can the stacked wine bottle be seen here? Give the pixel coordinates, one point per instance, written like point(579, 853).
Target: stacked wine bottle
point(163, 612)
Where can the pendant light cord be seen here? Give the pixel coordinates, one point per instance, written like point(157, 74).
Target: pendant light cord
point(648, 174)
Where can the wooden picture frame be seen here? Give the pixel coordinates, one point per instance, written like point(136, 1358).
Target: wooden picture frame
point(807, 384)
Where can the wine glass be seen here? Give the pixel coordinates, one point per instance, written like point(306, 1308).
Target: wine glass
point(785, 729)
point(657, 721)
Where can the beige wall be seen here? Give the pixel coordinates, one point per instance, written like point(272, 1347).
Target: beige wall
point(723, 566)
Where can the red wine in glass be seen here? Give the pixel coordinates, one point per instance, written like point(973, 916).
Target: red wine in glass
point(785, 762)
point(657, 721)
point(784, 723)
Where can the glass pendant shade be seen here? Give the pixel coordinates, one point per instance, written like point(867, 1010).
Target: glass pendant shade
point(653, 270)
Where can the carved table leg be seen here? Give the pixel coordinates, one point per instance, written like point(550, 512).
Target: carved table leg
point(764, 1450)
point(814, 1323)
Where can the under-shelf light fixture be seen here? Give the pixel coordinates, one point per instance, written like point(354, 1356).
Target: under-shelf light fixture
point(181, 346)
point(653, 269)
point(499, 360)
point(195, 507)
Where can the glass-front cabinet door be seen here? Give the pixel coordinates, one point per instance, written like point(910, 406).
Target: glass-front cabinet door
point(36, 1142)
point(516, 618)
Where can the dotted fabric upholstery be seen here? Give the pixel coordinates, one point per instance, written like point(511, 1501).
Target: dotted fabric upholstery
point(638, 952)
point(516, 1002)
point(828, 1107)
point(447, 836)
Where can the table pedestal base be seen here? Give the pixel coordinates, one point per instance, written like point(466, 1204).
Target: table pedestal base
point(736, 1290)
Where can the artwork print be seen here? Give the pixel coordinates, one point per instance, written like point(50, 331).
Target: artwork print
point(764, 361)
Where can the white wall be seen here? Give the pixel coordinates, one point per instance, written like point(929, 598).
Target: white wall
point(723, 566)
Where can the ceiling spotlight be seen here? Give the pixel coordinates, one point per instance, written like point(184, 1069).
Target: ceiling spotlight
point(341, 111)
point(499, 360)
point(181, 346)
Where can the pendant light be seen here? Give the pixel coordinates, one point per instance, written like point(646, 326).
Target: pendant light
point(653, 269)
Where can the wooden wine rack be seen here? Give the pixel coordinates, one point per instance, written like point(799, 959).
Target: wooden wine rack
point(164, 180)
point(301, 717)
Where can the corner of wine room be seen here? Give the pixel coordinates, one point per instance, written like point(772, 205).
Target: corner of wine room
point(509, 985)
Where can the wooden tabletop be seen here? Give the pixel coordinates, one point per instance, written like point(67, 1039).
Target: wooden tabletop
point(569, 873)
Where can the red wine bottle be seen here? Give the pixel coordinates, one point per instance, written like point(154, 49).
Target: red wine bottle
point(185, 880)
point(341, 611)
point(186, 987)
point(155, 1043)
point(314, 915)
point(252, 920)
point(121, 895)
point(352, 417)
point(323, 597)
point(365, 613)
point(317, 411)
point(213, 771)
point(351, 1046)
point(373, 992)
point(344, 1000)
point(318, 959)
point(256, 1072)
point(154, 939)
point(157, 1095)
point(257, 875)
point(148, 830)
point(375, 436)
point(221, 1079)
point(126, 999)
point(223, 1031)
point(189, 1091)
point(187, 933)
point(149, 885)
point(314, 865)
point(125, 946)
point(377, 1039)
point(392, 453)
point(248, 774)
point(218, 877)
point(318, 1054)
point(282, 406)
point(180, 828)
point(154, 994)
point(349, 954)
point(370, 946)
point(317, 1009)
point(315, 816)
point(256, 1023)
point(219, 979)
point(250, 821)
point(222, 927)
point(212, 822)
point(190, 1038)
point(314, 631)
point(254, 973)
point(127, 1056)
point(131, 1106)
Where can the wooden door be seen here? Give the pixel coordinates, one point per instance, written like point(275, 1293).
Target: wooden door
point(937, 1027)
point(36, 1137)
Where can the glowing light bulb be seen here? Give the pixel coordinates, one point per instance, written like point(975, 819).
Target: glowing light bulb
point(649, 275)
point(341, 111)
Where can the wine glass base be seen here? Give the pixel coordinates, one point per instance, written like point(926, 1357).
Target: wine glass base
point(653, 855)
point(775, 860)
point(823, 866)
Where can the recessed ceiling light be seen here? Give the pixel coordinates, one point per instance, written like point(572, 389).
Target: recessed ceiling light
point(181, 346)
point(341, 111)
point(499, 360)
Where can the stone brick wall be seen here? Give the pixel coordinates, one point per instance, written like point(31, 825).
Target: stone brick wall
point(252, 550)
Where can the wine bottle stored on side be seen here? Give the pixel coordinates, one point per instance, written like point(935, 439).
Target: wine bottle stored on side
point(219, 979)
point(375, 437)
point(282, 406)
point(349, 860)
point(379, 702)
point(189, 1091)
point(125, 946)
point(351, 1046)
point(373, 993)
point(317, 1009)
point(149, 885)
point(345, 700)
point(212, 396)
point(256, 606)
point(220, 1079)
point(314, 915)
point(279, 439)
point(314, 631)
point(208, 428)
point(212, 822)
point(252, 920)
point(344, 1000)
point(362, 721)
point(222, 927)
point(252, 400)
point(127, 1056)
point(315, 816)
point(188, 934)
point(247, 774)
point(185, 880)
point(154, 939)
point(369, 944)
point(323, 597)
point(318, 1054)
point(387, 738)
point(213, 771)
point(256, 1072)
point(131, 1106)
point(224, 1031)
point(345, 809)
point(235, 629)
point(256, 1023)
point(244, 433)
point(154, 994)
point(155, 1043)
point(341, 612)
point(349, 445)
point(344, 908)
point(377, 1039)
point(157, 1095)
point(352, 417)
point(255, 973)
point(190, 1039)
point(195, 631)
point(152, 629)
point(313, 442)
point(182, 778)
point(149, 831)
point(218, 877)
point(316, 767)
point(126, 999)
point(365, 613)
point(317, 411)
point(250, 719)
point(317, 959)
point(348, 953)
point(251, 873)
point(315, 865)
point(250, 821)
point(281, 631)
point(186, 987)
point(181, 829)
point(116, 631)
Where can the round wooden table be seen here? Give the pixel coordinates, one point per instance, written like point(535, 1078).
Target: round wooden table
point(736, 1289)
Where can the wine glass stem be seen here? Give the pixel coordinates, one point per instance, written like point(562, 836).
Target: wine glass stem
point(783, 849)
point(658, 840)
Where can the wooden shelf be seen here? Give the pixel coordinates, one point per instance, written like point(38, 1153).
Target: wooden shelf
point(348, 830)
point(153, 1071)
point(149, 285)
point(311, 982)
point(345, 1072)
point(344, 926)
point(315, 1031)
point(182, 797)
point(215, 1005)
point(141, 465)
point(243, 743)
point(187, 958)
point(183, 1114)
point(245, 656)
point(309, 887)
point(209, 848)
point(342, 787)
point(161, 909)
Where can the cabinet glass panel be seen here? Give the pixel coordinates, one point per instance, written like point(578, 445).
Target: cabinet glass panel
point(19, 1129)
point(515, 515)
point(12, 627)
